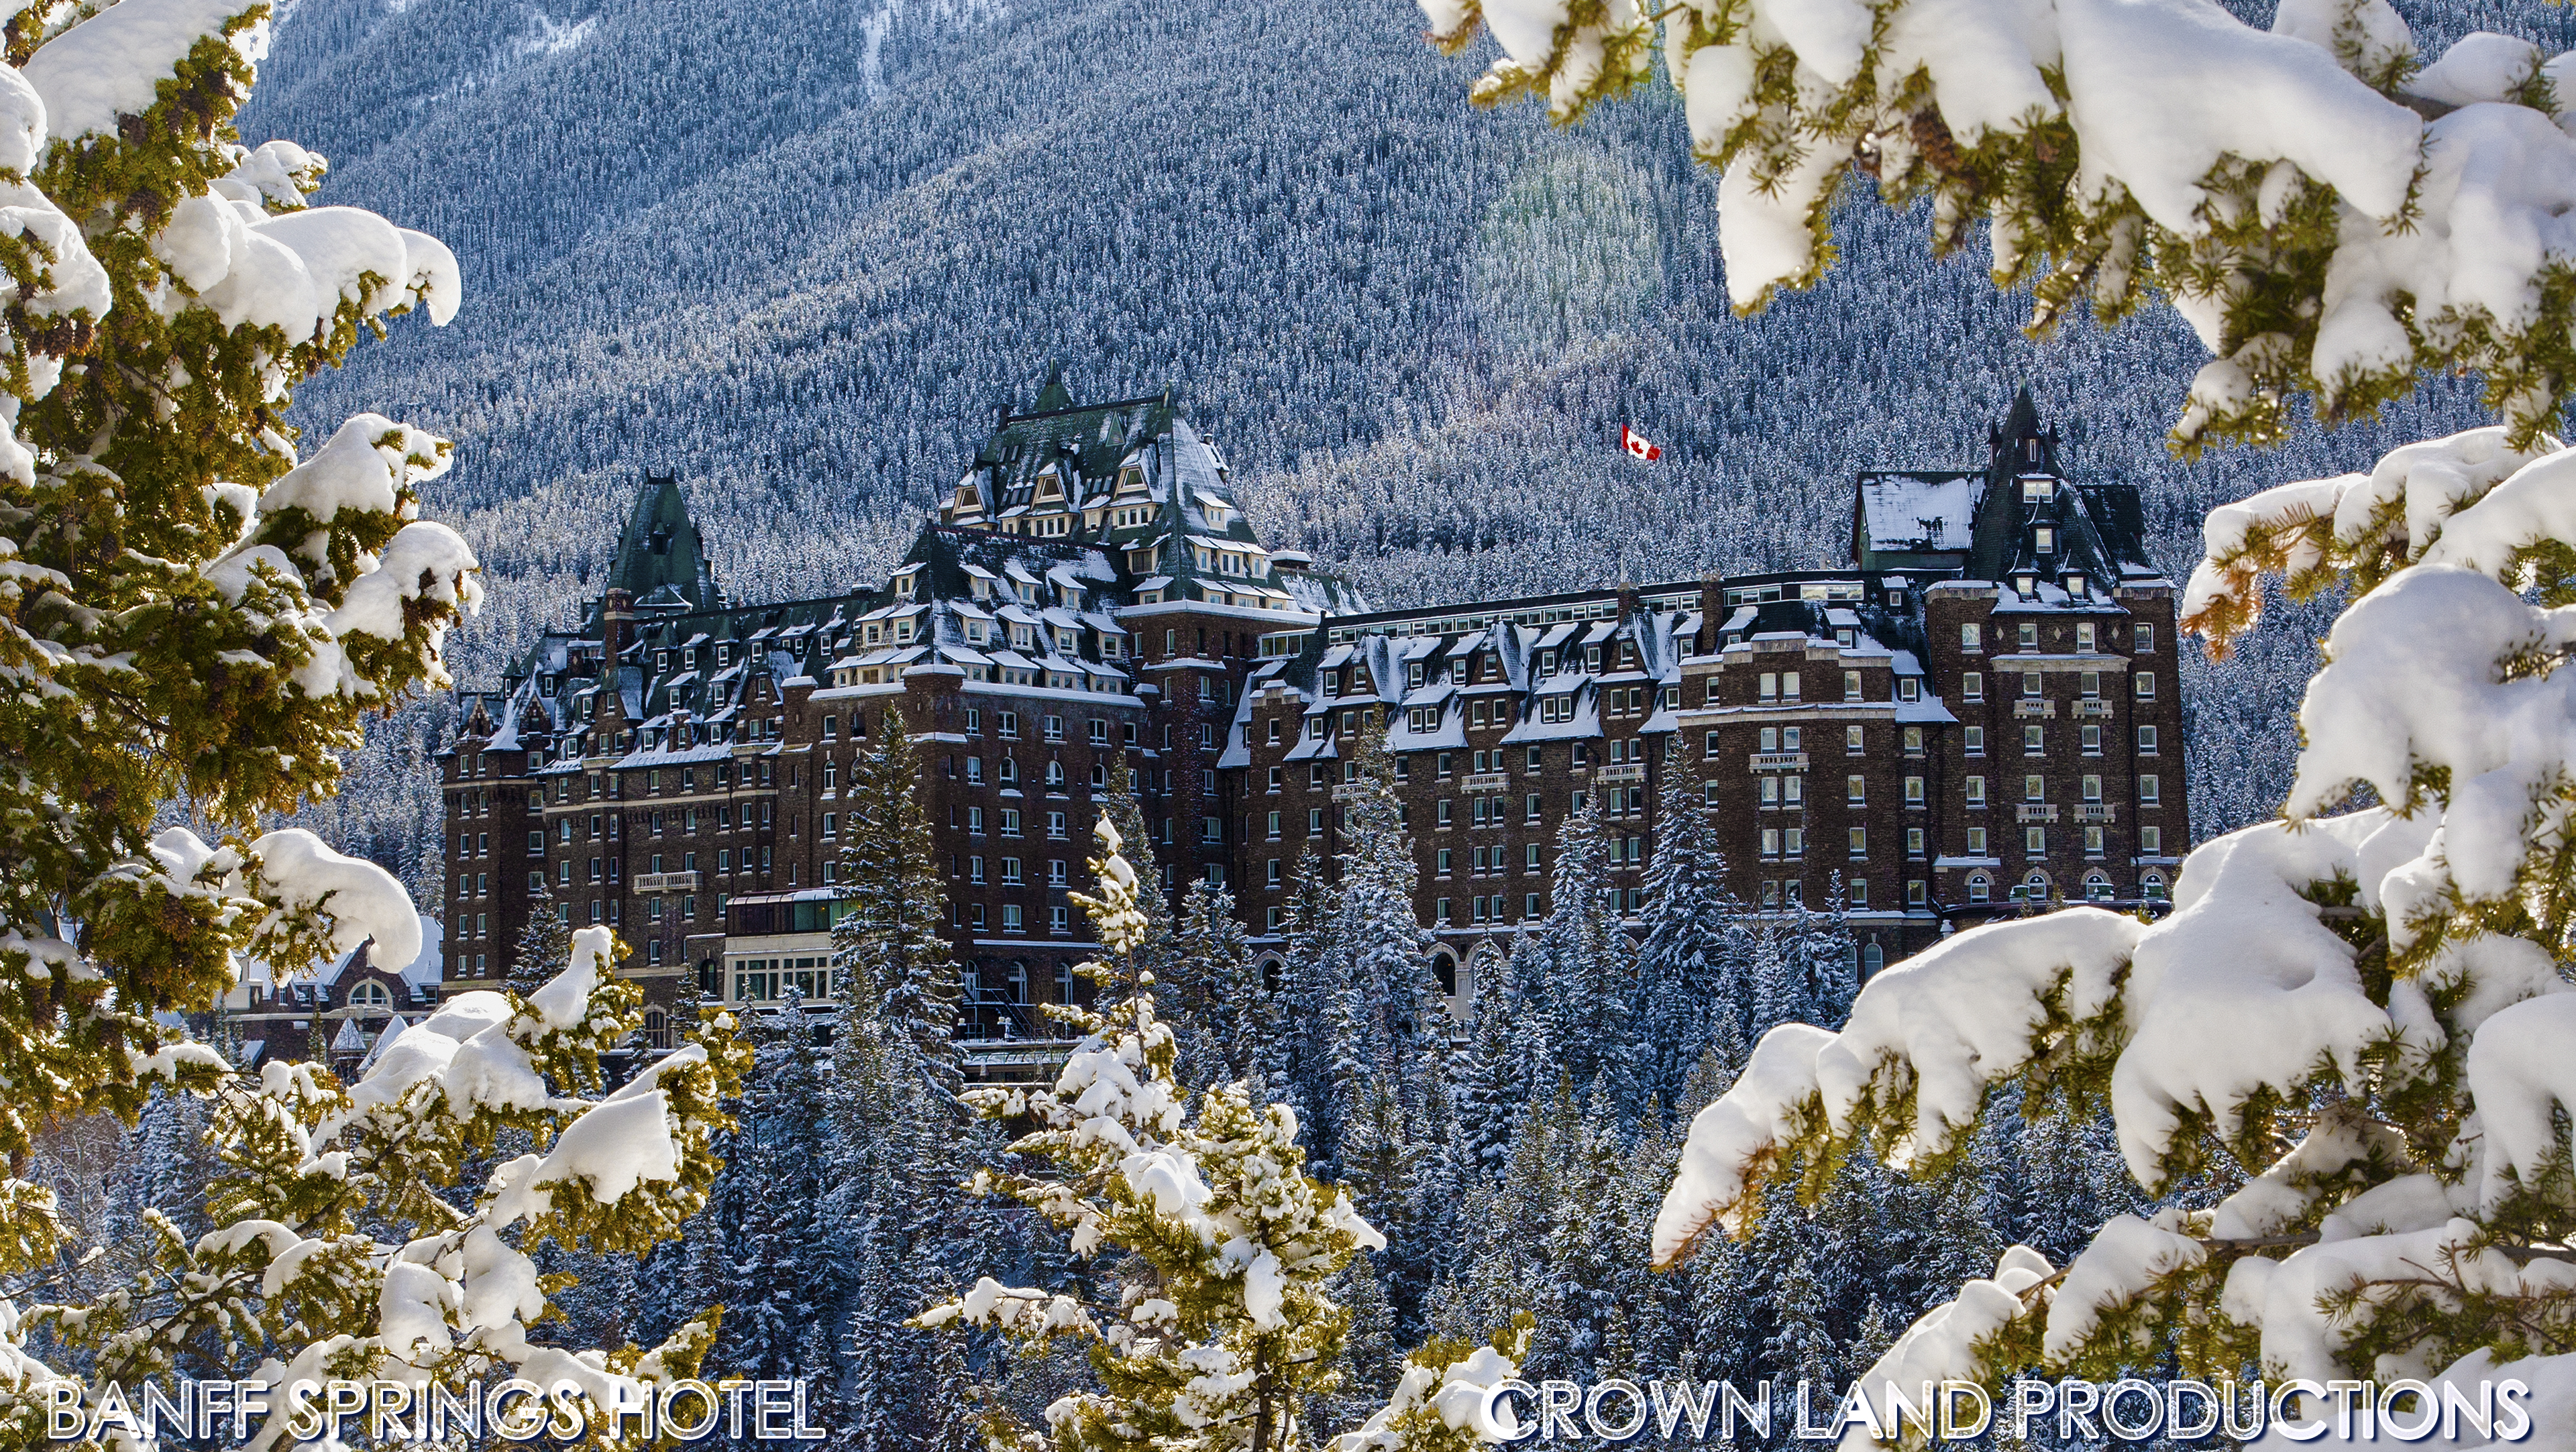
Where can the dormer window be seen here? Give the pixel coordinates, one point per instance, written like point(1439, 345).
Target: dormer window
point(1592, 658)
point(661, 661)
point(902, 631)
point(2075, 584)
point(2022, 584)
point(2038, 491)
point(1332, 683)
point(2043, 540)
point(874, 633)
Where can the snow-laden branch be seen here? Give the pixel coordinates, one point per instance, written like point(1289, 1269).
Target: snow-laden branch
point(2282, 189)
point(2366, 1010)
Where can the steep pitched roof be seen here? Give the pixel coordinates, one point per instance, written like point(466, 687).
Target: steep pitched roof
point(660, 558)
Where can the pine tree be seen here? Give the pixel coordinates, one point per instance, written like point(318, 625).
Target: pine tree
point(1387, 1024)
point(1229, 1330)
point(544, 942)
point(887, 950)
point(196, 610)
point(1691, 959)
point(1591, 986)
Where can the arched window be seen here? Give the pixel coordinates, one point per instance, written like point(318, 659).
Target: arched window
point(1445, 969)
point(710, 981)
point(2152, 887)
point(371, 997)
point(1872, 958)
point(1274, 974)
point(1018, 983)
point(2034, 887)
point(1980, 887)
point(2097, 888)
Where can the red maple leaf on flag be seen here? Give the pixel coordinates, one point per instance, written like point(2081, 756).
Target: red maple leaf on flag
point(1635, 443)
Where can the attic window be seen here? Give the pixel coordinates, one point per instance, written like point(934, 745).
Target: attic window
point(2037, 491)
point(2075, 584)
point(2044, 540)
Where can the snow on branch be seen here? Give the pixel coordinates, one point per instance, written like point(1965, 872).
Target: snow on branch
point(2284, 190)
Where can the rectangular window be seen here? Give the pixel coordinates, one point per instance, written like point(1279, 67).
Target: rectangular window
point(1855, 789)
point(1976, 791)
point(2149, 789)
point(1529, 905)
point(2089, 684)
point(1442, 911)
point(1852, 741)
point(2092, 788)
point(1011, 871)
point(2034, 840)
point(2091, 739)
point(2142, 638)
point(1859, 893)
point(1530, 811)
point(1793, 790)
point(2146, 741)
point(1010, 822)
point(1972, 686)
point(2146, 685)
point(1976, 841)
point(2034, 788)
point(1770, 841)
point(2151, 841)
point(1971, 638)
point(1918, 893)
point(1913, 841)
point(1793, 841)
point(1859, 842)
point(2034, 741)
point(1973, 740)
point(1445, 858)
point(2030, 635)
point(1788, 685)
point(1851, 685)
point(1274, 826)
point(2092, 841)
point(1914, 791)
point(1769, 686)
point(1011, 918)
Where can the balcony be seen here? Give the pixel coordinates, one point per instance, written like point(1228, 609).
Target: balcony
point(2035, 812)
point(666, 882)
point(1780, 761)
point(2026, 708)
point(2093, 812)
point(2093, 709)
point(1487, 781)
point(1627, 771)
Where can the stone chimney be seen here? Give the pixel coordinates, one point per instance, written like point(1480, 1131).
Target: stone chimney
point(1712, 614)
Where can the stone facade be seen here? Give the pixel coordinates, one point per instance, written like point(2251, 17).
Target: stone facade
point(1981, 711)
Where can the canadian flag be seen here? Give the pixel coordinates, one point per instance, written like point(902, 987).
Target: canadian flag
point(1635, 443)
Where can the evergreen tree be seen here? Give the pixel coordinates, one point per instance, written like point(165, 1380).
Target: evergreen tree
point(1490, 1084)
point(1386, 1019)
point(196, 609)
point(1221, 1007)
point(1690, 960)
point(1591, 984)
point(886, 946)
point(544, 942)
point(1227, 1328)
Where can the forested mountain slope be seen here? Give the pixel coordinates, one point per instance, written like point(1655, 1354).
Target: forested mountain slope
point(799, 251)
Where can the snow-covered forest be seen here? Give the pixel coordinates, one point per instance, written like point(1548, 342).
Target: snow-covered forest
point(799, 253)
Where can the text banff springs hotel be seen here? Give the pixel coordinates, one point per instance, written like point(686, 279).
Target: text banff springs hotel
point(1982, 709)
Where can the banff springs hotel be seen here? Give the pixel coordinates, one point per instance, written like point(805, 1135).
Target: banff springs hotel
point(1981, 710)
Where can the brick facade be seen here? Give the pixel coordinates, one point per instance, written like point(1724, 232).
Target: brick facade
point(1982, 709)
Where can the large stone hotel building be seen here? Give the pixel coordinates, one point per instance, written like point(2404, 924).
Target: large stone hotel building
point(1981, 710)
